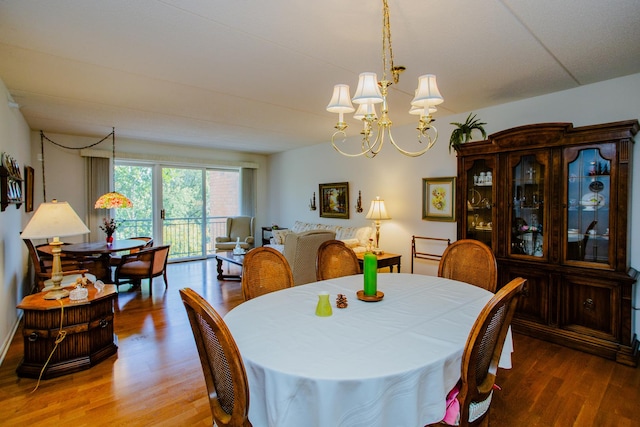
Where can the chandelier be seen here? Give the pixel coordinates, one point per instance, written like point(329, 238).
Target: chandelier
point(370, 92)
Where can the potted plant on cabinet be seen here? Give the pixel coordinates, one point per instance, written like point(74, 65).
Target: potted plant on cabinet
point(463, 133)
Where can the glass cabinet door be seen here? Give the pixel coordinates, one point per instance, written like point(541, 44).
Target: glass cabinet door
point(479, 217)
point(528, 194)
point(588, 201)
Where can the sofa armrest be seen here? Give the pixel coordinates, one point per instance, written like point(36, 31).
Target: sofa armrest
point(249, 240)
point(222, 239)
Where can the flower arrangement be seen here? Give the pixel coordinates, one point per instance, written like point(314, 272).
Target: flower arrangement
point(109, 226)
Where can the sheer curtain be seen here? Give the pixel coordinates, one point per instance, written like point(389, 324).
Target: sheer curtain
point(98, 183)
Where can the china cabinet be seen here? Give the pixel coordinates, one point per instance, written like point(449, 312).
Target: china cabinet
point(552, 201)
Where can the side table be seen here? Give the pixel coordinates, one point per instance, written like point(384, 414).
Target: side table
point(384, 260)
point(89, 336)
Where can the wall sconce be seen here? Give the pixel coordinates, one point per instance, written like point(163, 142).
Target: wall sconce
point(312, 202)
point(359, 202)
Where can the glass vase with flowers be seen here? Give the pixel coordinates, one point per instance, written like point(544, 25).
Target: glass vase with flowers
point(109, 226)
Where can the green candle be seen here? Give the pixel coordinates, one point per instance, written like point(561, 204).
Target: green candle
point(370, 274)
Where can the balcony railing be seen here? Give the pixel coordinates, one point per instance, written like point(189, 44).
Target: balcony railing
point(183, 234)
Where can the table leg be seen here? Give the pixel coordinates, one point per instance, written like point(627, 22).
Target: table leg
point(219, 268)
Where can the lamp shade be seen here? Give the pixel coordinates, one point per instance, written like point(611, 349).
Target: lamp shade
point(341, 100)
point(427, 93)
point(113, 200)
point(54, 219)
point(368, 89)
point(378, 210)
point(364, 110)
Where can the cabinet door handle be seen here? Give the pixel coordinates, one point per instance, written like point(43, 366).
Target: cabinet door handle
point(588, 304)
point(33, 337)
point(103, 323)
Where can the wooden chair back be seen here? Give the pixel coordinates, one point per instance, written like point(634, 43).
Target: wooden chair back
point(470, 261)
point(482, 353)
point(222, 365)
point(335, 259)
point(144, 264)
point(42, 265)
point(264, 270)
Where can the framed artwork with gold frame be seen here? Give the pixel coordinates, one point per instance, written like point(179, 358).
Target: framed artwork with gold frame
point(334, 200)
point(438, 199)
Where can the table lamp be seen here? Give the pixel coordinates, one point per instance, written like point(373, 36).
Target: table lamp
point(54, 220)
point(377, 212)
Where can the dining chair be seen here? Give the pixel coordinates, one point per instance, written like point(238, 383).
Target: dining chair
point(145, 264)
point(43, 265)
point(264, 270)
point(223, 369)
point(481, 356)
point(114, 260)
point(470, 261)
point(335, 259)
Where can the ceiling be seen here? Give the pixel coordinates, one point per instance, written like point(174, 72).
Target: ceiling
point(256, 76)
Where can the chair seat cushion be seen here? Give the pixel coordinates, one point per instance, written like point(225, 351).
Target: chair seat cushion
point(135, 268)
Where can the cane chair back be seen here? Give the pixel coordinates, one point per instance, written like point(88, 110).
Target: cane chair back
point(222, 365)
point(335, 259)
point(482, 354)
point(470, 261)
point(264, 270)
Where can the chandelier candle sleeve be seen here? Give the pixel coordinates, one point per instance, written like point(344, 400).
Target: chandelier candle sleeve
point(370, 274)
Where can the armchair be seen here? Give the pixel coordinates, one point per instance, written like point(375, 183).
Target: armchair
point(237, 227)
point(301, 251)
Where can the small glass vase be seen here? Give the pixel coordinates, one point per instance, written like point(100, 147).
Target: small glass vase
point(109, 239)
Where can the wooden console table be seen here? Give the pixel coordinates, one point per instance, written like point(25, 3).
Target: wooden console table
point(89, 333)
point(384, 260)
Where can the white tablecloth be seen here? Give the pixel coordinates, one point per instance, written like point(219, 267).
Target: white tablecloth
point(386, 363)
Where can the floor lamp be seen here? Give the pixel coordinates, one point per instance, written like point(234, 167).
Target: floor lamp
point(54, 220)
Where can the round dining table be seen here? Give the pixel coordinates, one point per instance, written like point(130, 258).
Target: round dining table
point(102, 251)
point(385, 363)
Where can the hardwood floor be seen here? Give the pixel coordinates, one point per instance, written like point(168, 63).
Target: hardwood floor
point(156, 379)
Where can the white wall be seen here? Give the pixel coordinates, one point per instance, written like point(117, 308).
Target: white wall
point(295, 175)
point(65, 169)
point(14, 139)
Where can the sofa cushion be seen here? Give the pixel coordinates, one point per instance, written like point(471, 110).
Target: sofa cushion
point(278, 236)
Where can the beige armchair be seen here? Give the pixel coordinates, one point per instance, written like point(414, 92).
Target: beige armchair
point(237, 227)
point(301, 251)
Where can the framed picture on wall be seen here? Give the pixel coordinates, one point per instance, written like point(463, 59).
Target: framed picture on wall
point(334, 200)
point(28, 189)
point(438, 199)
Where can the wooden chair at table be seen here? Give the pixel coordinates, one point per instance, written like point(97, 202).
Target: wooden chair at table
point(42, 267)
point(144, 264)
point(264, 270)
point(335, 259)
point(481, 356)
point(114, 260)
point(224, 372)
point(470, 261)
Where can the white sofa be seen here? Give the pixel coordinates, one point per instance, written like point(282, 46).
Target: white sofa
point(355, 238)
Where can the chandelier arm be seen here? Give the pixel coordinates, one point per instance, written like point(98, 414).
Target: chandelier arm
point(415, 153)
point(344, 137)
